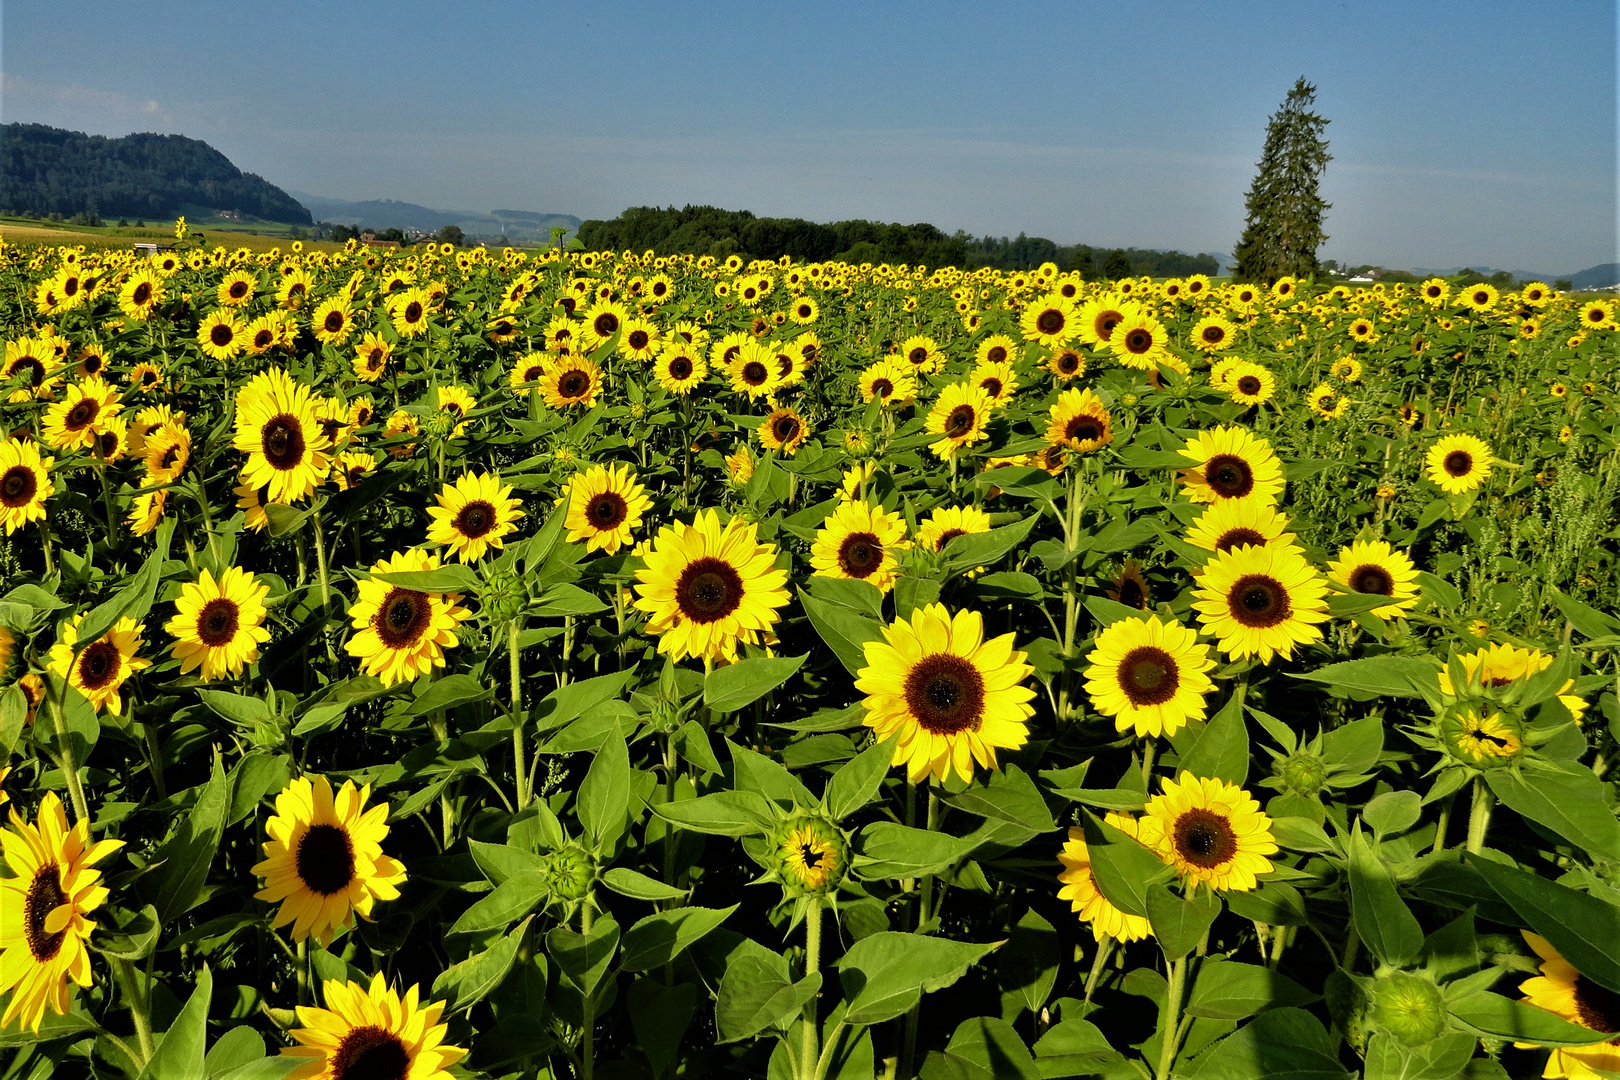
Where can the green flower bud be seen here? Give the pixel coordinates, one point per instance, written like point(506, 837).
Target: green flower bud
point(571, 872)
point(503, 594)
point(1302, 773)
point(1488, 742)
point(857, 444)
point(811, 855)
point(1409, 1007)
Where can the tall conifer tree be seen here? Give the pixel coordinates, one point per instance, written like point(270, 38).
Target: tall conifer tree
point(1284, 205)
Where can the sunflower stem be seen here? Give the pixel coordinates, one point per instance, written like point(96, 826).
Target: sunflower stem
point(302, 967)
point(1105, 948)
point(809, 1052)
point(45, 547)
point(1479, 816)
point(139, 1007)
point(588, 1064)
point(908, 1053)
point(520, 758)
point(1149, 748)
point(64, 747)
point(1172, 1018)
point(1443, 824)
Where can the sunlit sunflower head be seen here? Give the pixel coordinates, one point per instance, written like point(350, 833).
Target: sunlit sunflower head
point(1261, 601)
point(1565, 992)
point(1149, 675)
point(527, 370)
point(91, 360)
point(218, 625)
point(1213, 833)
point(1478, 298)
point(1347, 368)
point(602, 320)
point(997, 380)
point(1066, 363)
point(959, 417)
point(83, 413)
point(570, 381)
point(237, 288)
point(1362, 330)
point(1373, 567)
point(707, 587)
point(400, 632)
point(220, 335)
point(1499, 664)
point(277, 427)
point(49, 890)
point(606, 505)
point(1235, 523)
point(1230, 463)
point(100, 669)
point(947, 697)
point(457, 403)
point(921, 354)
point(146, 377)
point(1085, 896)
point(1050, 321)
point(997, 349)
point(680, 367)
point(323, 861)
point(1434, 291)
point(1140, 341)
point(888, 381)
point(753, 370)
point(1327, 402)
point(371, 1034)
point(1248, 383)
point(25, 483)
point(410, 310)
point(783, 430)
point(562, 334)
point(167, 453)
point(947, 523)
point(1459, 463)
point(1597, 315)
point(142, 293)
point(859, 542)
point(1079, 421)
point(473, 516)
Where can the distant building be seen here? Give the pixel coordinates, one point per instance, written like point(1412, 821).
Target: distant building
point(1361, 279)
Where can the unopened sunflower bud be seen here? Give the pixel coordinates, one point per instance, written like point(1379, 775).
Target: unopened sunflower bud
point(811, 855)
point(1488, 742)
point(1408, 1007)
point(503, 594)
point(572, 871)
point(1303, 773)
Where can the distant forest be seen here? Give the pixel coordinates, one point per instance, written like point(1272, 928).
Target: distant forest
point(707, 230)
point(47, 170)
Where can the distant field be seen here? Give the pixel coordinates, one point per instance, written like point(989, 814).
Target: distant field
point(24, 231)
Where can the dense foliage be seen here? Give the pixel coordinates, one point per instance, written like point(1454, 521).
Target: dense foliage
point(466, 663)
point(1284, 206)
point(46, 170)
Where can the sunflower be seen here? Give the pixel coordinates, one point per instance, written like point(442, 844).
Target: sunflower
point(1230, 463)
point(680, 368)
point(947, 523)
point(333, 320)
point(1050, 321)
point(25, 483)
point(141, 294)
point(1248, 383)
point(92, 360)
point(167, 453)
point(99, 670)
point(237, 288)
point(1362, 330)
point(146, 377)
point(603, 319)
point(783, 429)
point(1130, 587)
point(1086, 898)
point(1235, 523)
point(350, 468)
point(1212, 832)
point(640, 340)
point(1259, 601)
point(887, 381)
point(456, 402)
point(146, 511)
point(996, 349)
point(1079, 421)
point(410, 310)
point(1347, 368)
point(1140, 341)
point(1327, 402)
point(569, 381)
point(1099, 316)
point(859, 542)
point(1066, 363)
point(753, 370)
point(945, 695)
point(277, 428)
point(561, 333)
point(1565, 992)
point(921, 354)
point(293, 289)
point(997, 380)
point(1479, 298)
point(323, 862)
point(1149, 676)
point(220, 335)
point(707, 587)
point(74, 422)
point(1459, 463)
point(1484, 742)
point(474, 515)
point(400, 424)
point(1212, 334)
point(1597, 315)
point(402, 633)
point(1434, 291)
point(49, 889)
point(371, 1033)
point(959, 417)
point(1373, 567)
point(218, 625)
point(740, 466)
point(1498, 665)
point(605, 507)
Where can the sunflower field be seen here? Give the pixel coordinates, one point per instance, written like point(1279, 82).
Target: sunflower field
point(430, 663)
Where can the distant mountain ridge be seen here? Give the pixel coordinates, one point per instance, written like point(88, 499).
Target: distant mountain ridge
point(47, 170)
point(1600, 276)
point(392, 214)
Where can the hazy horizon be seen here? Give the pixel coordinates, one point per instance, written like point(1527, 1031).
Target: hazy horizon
point(1459, 137)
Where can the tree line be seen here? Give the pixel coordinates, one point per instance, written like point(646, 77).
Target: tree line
point(46, 170)
point(708, 230)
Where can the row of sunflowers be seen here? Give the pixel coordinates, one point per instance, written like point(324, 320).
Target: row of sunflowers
point(408, 657)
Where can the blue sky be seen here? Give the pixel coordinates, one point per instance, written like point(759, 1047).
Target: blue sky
point(1462, 133)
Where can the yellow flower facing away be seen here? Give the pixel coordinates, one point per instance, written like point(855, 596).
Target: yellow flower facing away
point(49, 890)
point(401, 633)
point(946, 696)
point(1213, 833)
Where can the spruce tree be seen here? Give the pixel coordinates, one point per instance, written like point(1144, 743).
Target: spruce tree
point(1284, 205)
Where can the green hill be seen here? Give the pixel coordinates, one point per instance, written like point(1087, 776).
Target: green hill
point(47, 170)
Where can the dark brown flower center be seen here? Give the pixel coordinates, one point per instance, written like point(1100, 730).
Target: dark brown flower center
point(263, 338)
point(1597, 1006)
point(1259, 601)
point(142, 293)
point(1229, 476)
point(475, 519)
point(1249, 385)
point(44, 896)
point(960, 421)
point(98, 665)
point(1139, 341)
point(32, 365)
point(573, 384)
point(947, 536)
point(333, 322)
point(1069, 363)
point(918, 356)
point(402, 618)
point(1105, 322)
point(1051, 321)
point(238, 290)
point(607, 510)
point(996, 354)
point(1132, 594)
point(882, 387)
point(1205, 838)
point(860, 555)
point(217, 622)
point(1149, 676)
point(755, 373)
point(283, 440)
point(1372, 579)
point(708, 589)
point(1087, 427)
point(18, 486)
point(92, 364)
point(79, 417)
point(605, 324)
point(221, 335)
point(1458, 463)
point(638, 339)
point(991, 386)
point(1242, 536)
point(785, 428)
point(945, 693)
point(680, 369)
point(413, 312)
point(325, 859)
